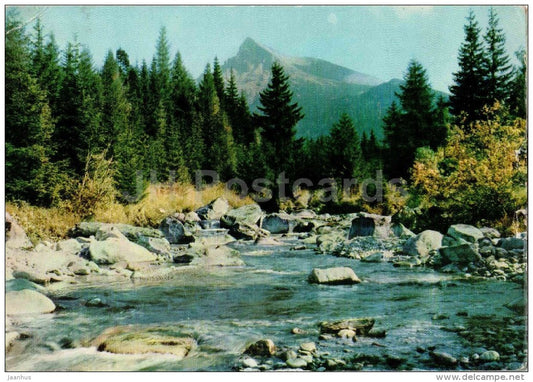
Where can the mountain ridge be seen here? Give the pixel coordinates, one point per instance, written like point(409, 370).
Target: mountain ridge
point(324, 90)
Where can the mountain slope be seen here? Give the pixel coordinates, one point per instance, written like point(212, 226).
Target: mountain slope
point(324, 90)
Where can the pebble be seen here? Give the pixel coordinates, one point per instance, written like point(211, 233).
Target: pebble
point(296, 363)
point(249, 363)
point(297, 331)
point(490, 355)
point(308, 347)
point(443, 358)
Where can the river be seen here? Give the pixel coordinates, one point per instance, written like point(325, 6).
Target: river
point(225, 309)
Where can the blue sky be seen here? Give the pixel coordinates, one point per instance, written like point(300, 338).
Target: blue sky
point(375, 40)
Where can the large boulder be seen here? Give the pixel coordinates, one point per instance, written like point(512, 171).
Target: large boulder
point(161, 246)
point(214, 210)
point(510, 243)
point(276, 223)
point(249, 214)
point(131, 340)
point(337, 275)
point(465, 232)
point(365, 224)
point(15, 235)
point(174, 231)
point(261, 348)
point(460, 254)
point(423, 243)
point(401, 232)
point(116, 249)
point(27, 301)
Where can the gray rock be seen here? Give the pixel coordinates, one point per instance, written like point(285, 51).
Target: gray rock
point(361, 326)
point(114, 250)
point(337, 275)
point(400, 231)
point(27, 301)
point(15, 235)
point(214, 210)
point(210, 256)
point(443, 358)
point(422, 244)
point(365, 224)
point(460, 254)
point(276, 223)
point(249, 363)
point(376, 257)
point(465, 232)
point(309, 347)
point(249, 214)
point(510, 243)
point(346, 333)
point(491, 233)
point(261, 348)
point(296, 363)
point(174, 231)
point(32, 275)
point(490, 356)
point(14, 285)
point(11, 337)
point(88, 229)
point(247, 231)
point(161, 246)
point(69, 245)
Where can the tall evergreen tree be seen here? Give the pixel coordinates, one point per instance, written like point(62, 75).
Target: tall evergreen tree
point(518, 94)
point(278, 120)
point(31, 175)
point(498, 68)
point(412, 126)
point(218, 78)
point(238, 113)
point(468, 94)
point(343, 148)
point(218, 140)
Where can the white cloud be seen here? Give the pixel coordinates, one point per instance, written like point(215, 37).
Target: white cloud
point(332, 18)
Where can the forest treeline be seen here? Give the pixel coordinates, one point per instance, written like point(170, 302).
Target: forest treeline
point(78, 133)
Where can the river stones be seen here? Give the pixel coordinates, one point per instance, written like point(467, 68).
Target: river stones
point(361, 326)
point(132, 340)
point(277, 223)
point(465, 232)
point(27, 301)
point(87, 229)
point(261, 348)
point(249, 363)
point(113, 250)
point(460, 254)
point(15, 235)
point(308, 347)
point(158, 245)
point(214, 210)
point(422, 244)
point(210, 256)
point(490, 356)
point(174, 231)
point(443, 358)
point(365, 224)
point(335, 276)
point(249, 214)
point(296, 363)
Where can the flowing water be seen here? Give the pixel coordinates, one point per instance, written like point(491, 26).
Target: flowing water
point(225, 309)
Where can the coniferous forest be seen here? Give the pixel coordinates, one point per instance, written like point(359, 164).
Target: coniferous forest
point(71, 126)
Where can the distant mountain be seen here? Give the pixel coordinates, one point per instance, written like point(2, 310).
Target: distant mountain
point(323, 89)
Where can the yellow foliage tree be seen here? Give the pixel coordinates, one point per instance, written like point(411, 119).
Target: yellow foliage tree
point(480, 176)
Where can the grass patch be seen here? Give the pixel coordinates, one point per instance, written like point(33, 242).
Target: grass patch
point(161, 201)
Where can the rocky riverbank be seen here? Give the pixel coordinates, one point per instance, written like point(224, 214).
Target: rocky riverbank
point(211, 237)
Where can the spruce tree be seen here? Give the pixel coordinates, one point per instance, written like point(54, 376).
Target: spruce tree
point(498, 69)
point(278, 120)
point(518, 94)
point(344, 150)
point(238, 113)
point(469, 93)
point(219, 81)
